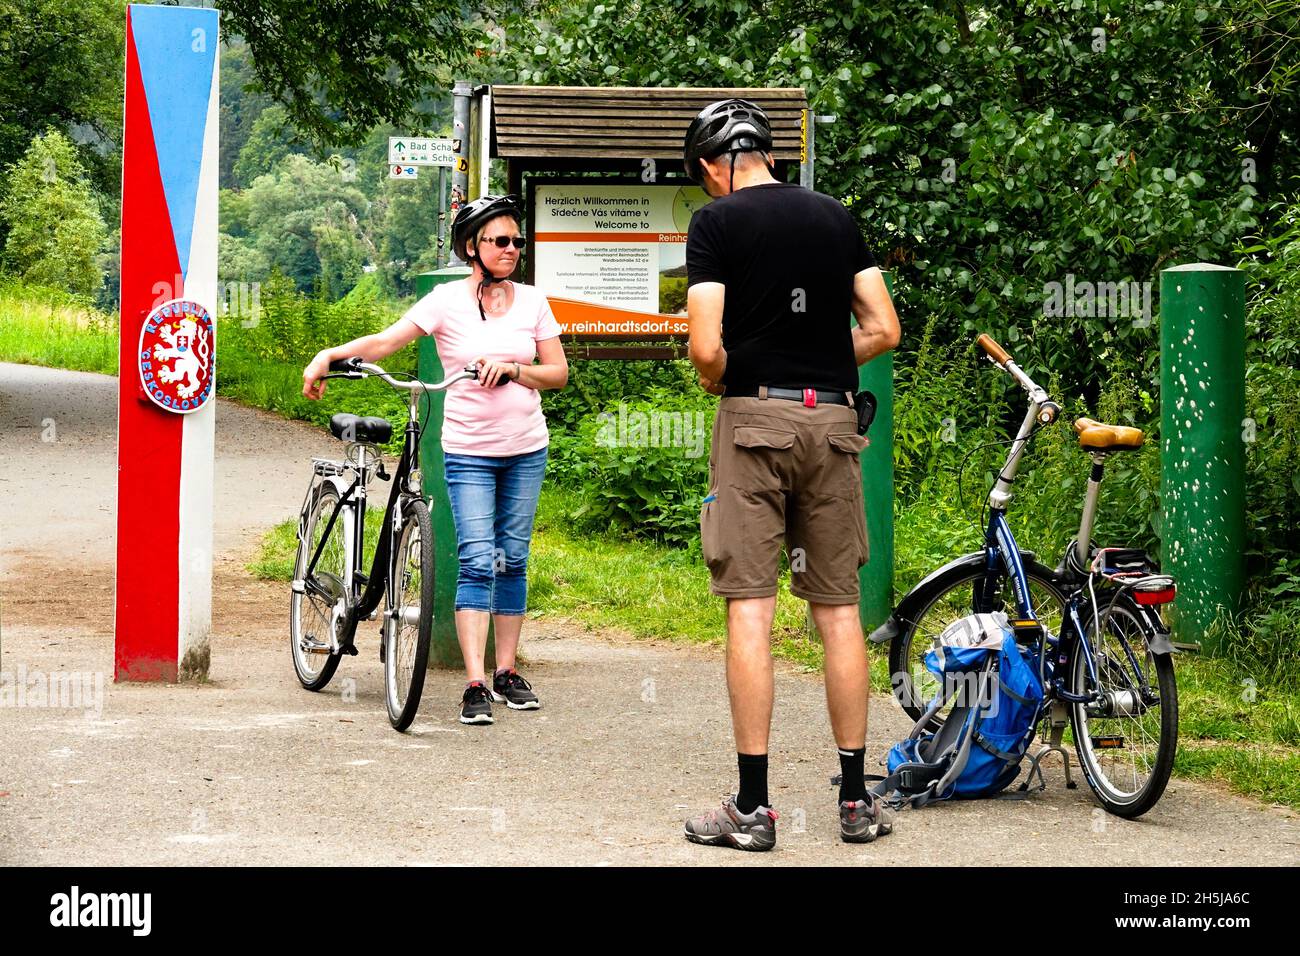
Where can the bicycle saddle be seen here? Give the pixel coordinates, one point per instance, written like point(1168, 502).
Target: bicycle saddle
point(356, 428)
point(1096, 436)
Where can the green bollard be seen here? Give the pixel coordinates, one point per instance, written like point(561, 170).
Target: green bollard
point(1202, 412)
point(876, 577)
point(444, 649)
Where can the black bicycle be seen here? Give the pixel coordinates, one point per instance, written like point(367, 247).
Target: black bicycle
point(331, 593)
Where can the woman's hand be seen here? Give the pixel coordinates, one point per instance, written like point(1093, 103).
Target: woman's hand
point(491, 374)
point(312, 386)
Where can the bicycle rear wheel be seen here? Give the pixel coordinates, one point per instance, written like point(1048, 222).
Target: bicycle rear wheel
point(408, 627)
point(1127, 738)
point(311, 613)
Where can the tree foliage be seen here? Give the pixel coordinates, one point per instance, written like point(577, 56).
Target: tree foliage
point(61, 66)
point(341, 67)
point(989, 153)
point(51, 214)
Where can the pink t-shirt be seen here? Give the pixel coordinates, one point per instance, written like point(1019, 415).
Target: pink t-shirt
point(492, 422)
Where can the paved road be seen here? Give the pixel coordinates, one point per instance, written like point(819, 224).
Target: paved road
point(250, 768)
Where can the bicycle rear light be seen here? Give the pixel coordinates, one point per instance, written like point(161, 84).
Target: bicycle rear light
point(1163, 596)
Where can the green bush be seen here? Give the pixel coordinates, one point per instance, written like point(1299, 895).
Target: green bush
point(1273, 396)
point(640, 466)
point(261, 354)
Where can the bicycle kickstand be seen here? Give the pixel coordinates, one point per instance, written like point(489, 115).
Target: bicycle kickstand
point(1035, 765)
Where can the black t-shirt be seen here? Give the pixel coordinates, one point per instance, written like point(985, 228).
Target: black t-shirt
point(787, 256)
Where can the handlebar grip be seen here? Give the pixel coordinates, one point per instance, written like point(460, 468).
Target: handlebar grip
point(345, 365)
point(474, 369)
point(992, 349)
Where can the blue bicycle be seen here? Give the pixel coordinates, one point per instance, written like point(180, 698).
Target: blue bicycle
point(1104, 650)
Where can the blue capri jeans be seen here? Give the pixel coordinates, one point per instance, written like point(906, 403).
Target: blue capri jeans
point(493, 502)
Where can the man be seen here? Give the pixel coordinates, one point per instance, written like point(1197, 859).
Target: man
point(773, 270)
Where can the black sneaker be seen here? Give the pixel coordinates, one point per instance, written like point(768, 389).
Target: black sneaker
point(517, 693)
point(475, 707)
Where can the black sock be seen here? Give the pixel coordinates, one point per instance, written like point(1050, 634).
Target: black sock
point(852, 786)
point(753, 782)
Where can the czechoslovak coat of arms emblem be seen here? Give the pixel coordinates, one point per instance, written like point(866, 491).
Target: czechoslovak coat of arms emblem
point(176, 356)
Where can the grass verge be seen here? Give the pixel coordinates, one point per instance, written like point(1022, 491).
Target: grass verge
point(40, 327)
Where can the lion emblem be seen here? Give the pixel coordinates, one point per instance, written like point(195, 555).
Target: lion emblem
point(188, 352)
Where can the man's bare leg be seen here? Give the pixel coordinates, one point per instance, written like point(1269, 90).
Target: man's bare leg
point(749, 670)
point(848, 678)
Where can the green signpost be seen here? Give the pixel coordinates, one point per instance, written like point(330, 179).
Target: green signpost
point(444, 650)
point(1203, 433)
point(876, 577)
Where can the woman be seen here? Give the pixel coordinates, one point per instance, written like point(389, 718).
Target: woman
point(494, 438)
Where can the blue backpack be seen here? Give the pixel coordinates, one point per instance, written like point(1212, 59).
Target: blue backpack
point(996, 694)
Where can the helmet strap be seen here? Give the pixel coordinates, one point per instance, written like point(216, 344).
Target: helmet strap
point(485, 283)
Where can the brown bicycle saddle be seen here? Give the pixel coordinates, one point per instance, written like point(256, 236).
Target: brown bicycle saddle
point(1096, 436)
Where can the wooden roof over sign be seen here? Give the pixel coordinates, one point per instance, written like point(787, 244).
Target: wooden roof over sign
point(624, 122)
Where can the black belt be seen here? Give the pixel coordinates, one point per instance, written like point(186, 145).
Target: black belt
point(808, 396)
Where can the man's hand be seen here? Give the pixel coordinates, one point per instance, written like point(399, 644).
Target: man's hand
point(713, 388)
point(312, 386)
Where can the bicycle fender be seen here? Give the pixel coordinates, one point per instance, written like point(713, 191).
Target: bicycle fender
point(1156, 632)
point(1158, 637)
point(907, 606)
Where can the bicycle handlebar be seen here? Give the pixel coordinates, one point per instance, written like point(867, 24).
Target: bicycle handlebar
point(1003, 360)
point(356, 368)
point(991, 348)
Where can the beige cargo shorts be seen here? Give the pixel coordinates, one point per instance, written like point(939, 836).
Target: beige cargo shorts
point(779, 470)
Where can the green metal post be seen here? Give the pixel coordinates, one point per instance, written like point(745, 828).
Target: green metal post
point(876, 577)
point(444, 649)
point(1202, 412)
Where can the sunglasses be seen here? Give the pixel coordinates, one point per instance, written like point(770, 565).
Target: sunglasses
point(502, 241)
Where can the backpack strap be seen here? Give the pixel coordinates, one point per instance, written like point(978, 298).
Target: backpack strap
point(1015, 696)
point(921, 782)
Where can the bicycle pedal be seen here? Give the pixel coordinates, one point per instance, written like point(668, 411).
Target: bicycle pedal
point(1109, 742)
point(1028, 632)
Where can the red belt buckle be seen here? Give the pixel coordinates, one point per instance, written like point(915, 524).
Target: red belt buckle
point(810, 397)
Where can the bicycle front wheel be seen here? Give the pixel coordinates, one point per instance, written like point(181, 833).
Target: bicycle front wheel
point(311, 611)
point(949, 599)
point(1127, 734)
point(409, 625)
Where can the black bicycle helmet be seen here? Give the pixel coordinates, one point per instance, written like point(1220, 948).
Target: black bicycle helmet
point(465, 226)
point(474, 214)
point(727, 126)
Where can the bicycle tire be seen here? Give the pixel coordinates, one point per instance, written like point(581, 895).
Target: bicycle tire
point(320, 507)
point(406, 647)
point(1124, 803)
point(904, 660)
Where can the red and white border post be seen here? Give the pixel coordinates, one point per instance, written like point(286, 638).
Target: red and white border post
point(166, 384)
